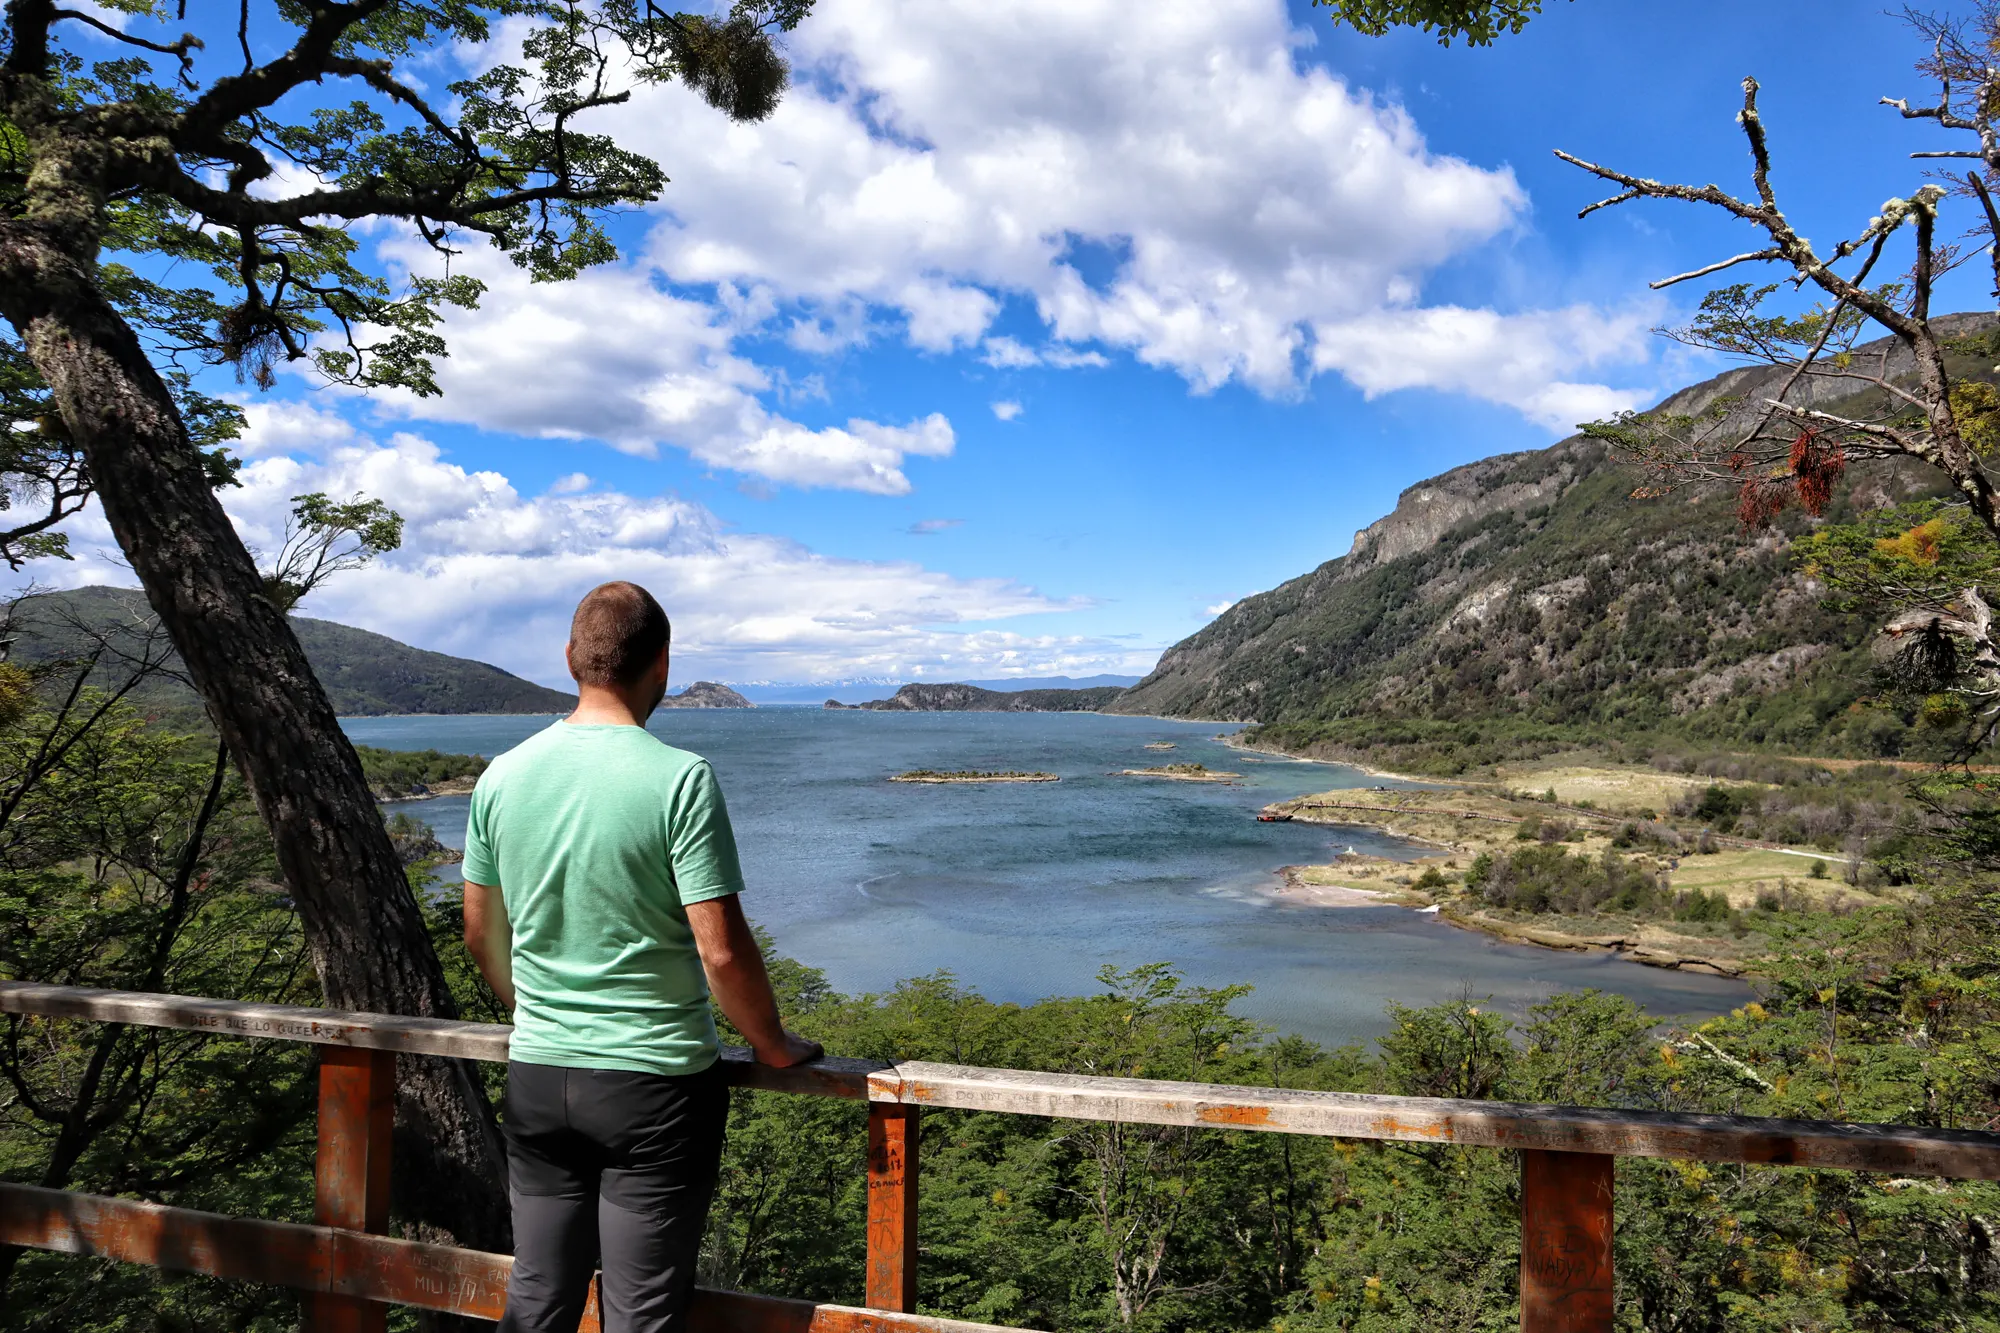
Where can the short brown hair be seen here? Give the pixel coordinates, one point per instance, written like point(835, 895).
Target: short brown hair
point(617, 632)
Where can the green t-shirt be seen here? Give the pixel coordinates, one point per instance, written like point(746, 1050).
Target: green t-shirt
point(599, 837)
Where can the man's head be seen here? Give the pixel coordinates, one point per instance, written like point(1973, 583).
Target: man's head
point(618, 642)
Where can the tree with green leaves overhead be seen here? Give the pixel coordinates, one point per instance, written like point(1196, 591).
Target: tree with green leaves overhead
point(187, 203)
point(1477, 22)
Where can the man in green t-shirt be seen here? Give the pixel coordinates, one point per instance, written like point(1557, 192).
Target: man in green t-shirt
point(601, 889)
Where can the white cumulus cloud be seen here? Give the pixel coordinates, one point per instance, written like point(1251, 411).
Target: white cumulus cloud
point(609, 356)
point(490, 573)
point(1007, 409)
point(1519, 361)
point(1190, 189)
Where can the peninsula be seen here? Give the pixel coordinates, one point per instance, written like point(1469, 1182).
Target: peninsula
point(953, 698)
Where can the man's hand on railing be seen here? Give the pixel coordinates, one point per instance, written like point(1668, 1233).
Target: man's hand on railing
point(791, 1050)
point(742, 988)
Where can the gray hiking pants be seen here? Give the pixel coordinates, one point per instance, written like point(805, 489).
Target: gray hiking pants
point(615, 1170)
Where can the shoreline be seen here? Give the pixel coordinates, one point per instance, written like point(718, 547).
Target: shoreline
point(1292, 887)
point(1235, 741)
point(449, 787)
point(1629, 946)
point(1653, 944)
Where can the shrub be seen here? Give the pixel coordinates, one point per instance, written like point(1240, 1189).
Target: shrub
point(1550, 878)
point(1721, 806)
point(1706, 908)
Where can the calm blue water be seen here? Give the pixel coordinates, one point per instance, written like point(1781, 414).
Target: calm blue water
point(1025, 891)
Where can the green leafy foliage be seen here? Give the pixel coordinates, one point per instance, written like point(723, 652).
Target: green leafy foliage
point(131, 859)
point(1551, 878)
point(1478, 22)
point(324, 537)
point(1074, 1225)
point(1923, 553)
point(396, 774)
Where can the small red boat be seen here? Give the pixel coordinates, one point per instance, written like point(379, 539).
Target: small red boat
point(1274, 819)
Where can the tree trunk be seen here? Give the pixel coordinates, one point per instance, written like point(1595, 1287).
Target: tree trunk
point(361, 920)
point(1952, 456)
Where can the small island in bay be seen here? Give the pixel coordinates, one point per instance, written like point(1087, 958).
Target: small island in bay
point(1179, 773)
point(971, 775)
point(1159, 745)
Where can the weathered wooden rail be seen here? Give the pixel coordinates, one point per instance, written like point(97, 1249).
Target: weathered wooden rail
point(350, 1269)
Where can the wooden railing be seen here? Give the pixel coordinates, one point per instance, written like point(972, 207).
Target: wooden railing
point(348, 1268)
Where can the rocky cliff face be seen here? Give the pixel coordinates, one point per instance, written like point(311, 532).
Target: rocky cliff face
point(1531, 588)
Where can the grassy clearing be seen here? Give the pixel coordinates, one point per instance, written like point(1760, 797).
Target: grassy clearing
point(1659, 896)
point(1618, 790)
point(1743, 874)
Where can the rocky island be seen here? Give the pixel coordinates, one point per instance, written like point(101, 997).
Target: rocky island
point(706, 694)
point(1179, 773)
point(970, 775)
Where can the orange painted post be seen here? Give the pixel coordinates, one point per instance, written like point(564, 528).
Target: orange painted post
point(357, 1102)
point(892, 1207)
point(1566, 1264)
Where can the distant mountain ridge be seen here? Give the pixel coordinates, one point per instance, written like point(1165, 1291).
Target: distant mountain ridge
point(364, 674)
point(963, 698)
point(1530, 592)
point(863, 690)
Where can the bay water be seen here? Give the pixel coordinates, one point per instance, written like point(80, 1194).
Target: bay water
point(1025, 891)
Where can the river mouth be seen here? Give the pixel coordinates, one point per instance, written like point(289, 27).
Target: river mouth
point(1024, 891)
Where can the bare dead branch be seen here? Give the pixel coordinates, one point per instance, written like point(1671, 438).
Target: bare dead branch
point(1717, 267)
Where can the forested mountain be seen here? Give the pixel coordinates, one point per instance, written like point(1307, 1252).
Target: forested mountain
point(365, 674)
point(958, 698)
point(1530, 595)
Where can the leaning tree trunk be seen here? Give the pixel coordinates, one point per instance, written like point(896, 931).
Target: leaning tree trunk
point(361, 920)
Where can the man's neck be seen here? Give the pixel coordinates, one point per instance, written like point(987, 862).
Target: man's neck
point(597, 706)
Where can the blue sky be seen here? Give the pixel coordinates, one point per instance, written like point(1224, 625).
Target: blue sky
point(1023, 338)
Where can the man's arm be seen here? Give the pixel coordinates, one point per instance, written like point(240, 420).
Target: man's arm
point(491, 938)
point(736, 976)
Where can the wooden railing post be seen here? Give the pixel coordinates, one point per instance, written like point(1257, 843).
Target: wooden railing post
point(357, 1099)
point(1566, 1265)
point(892, 1207)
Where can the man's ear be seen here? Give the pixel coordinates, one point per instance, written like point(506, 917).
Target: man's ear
point(569, 659)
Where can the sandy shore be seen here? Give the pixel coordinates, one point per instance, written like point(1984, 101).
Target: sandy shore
point(1293, 887)
point(1235, 741)
point(1176, 777)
